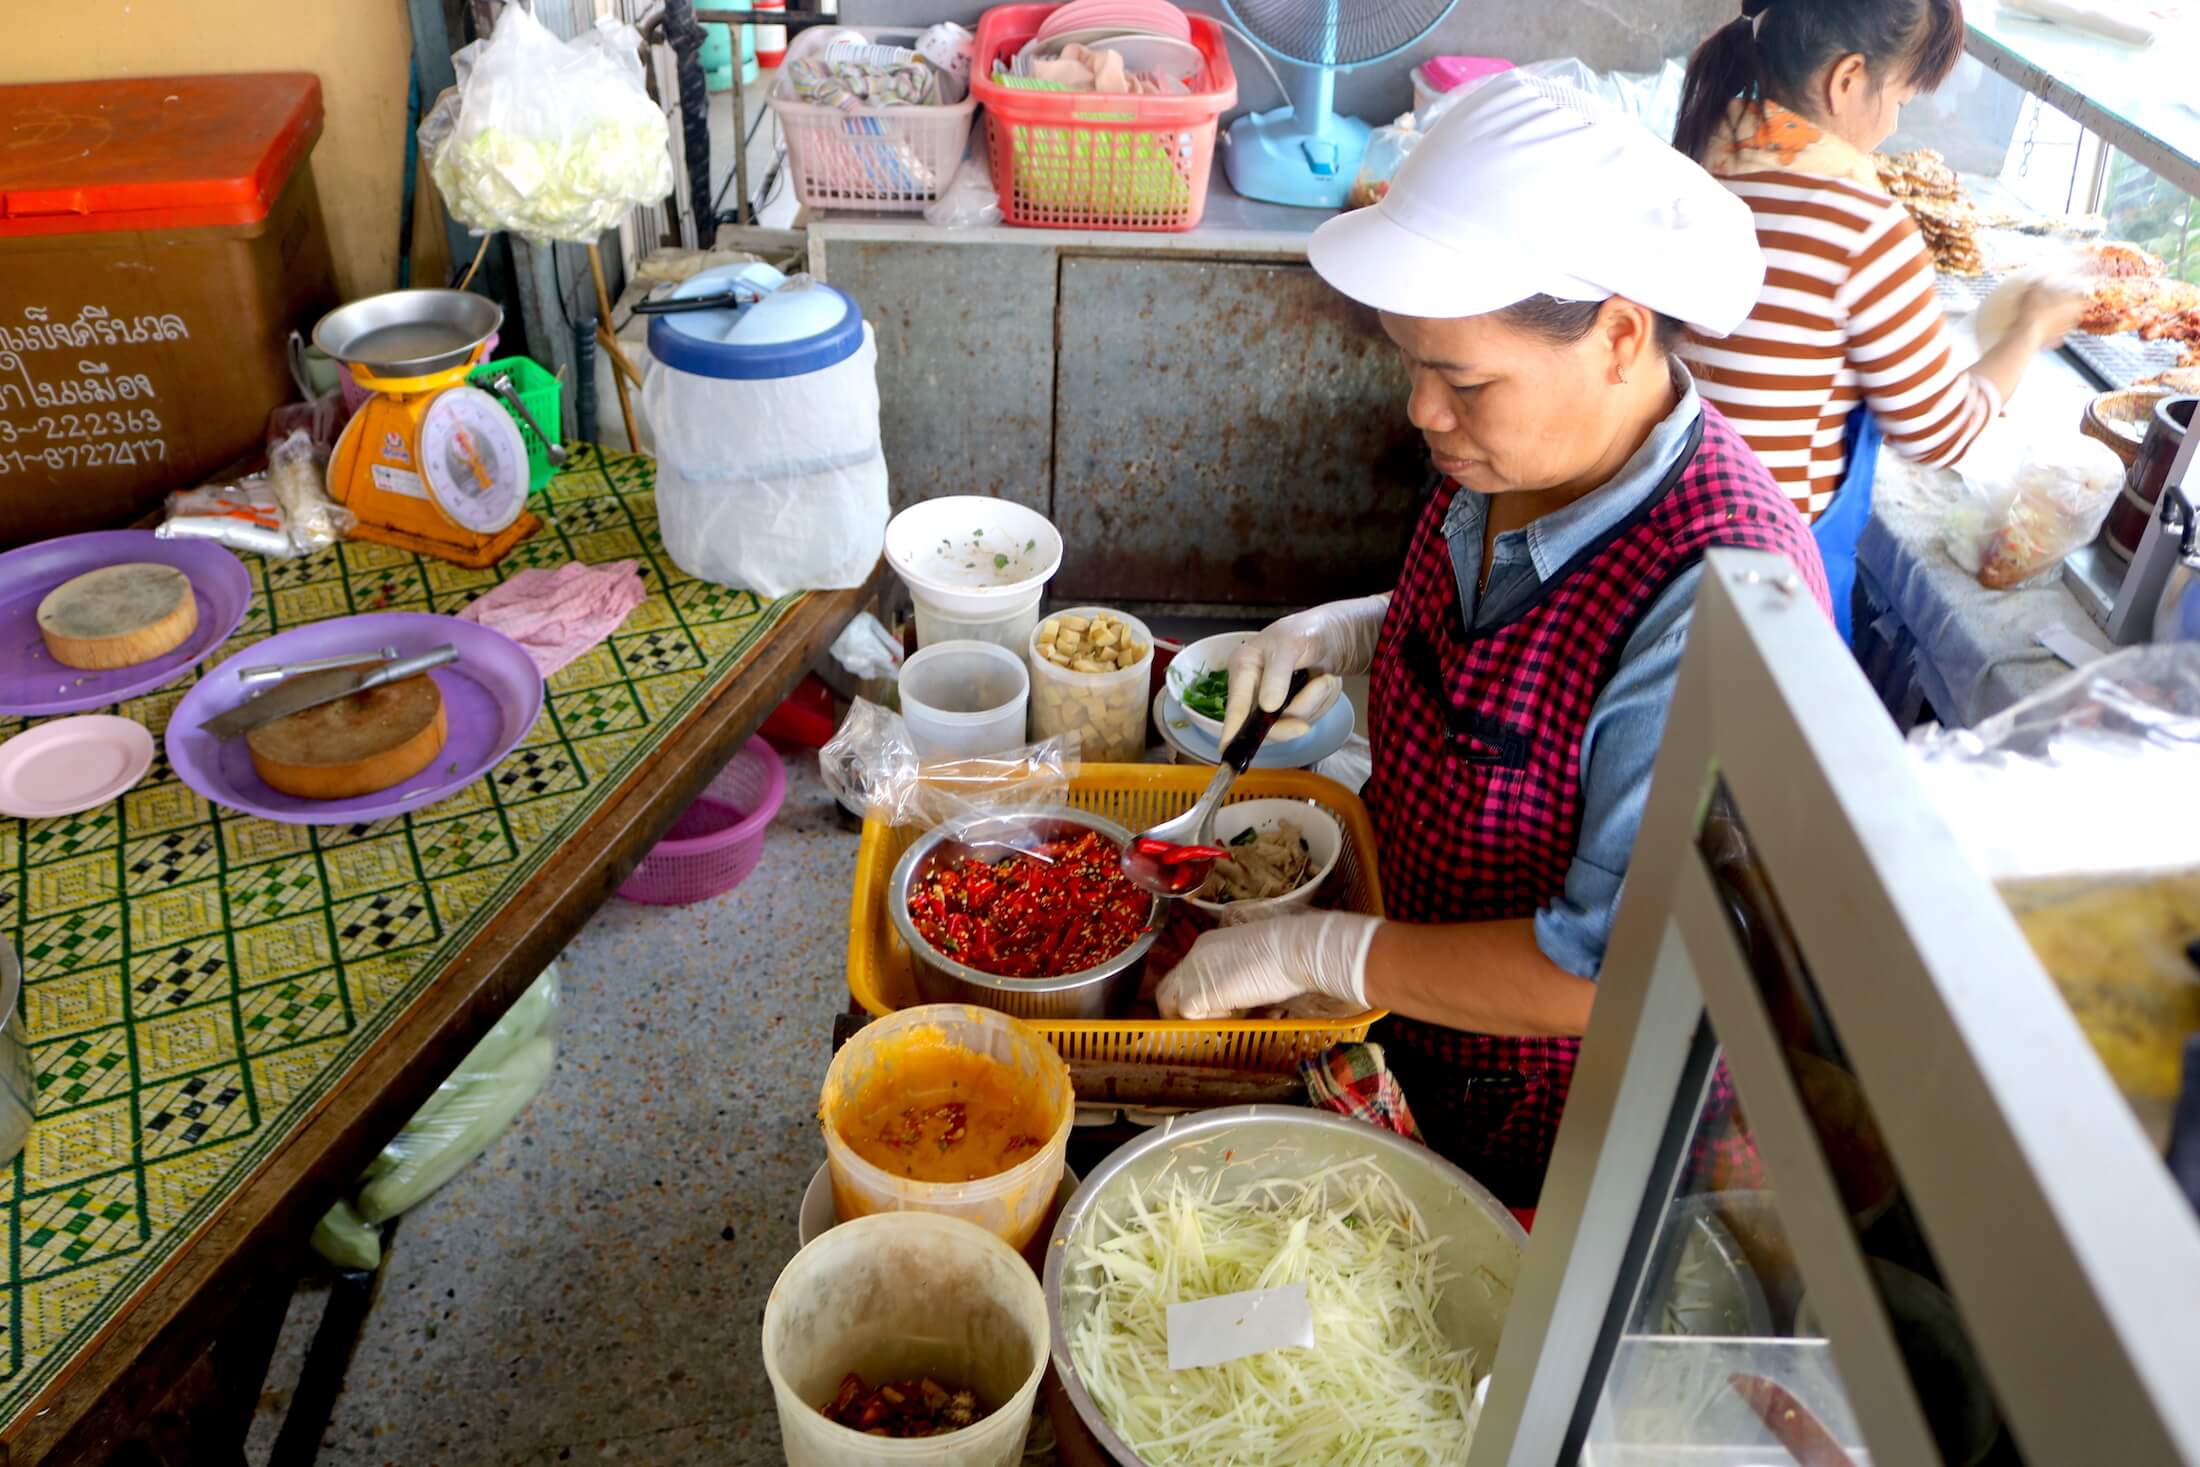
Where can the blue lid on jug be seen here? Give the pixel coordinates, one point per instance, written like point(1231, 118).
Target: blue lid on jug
point(763, 326)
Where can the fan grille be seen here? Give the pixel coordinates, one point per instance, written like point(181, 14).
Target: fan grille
point(1337, 32)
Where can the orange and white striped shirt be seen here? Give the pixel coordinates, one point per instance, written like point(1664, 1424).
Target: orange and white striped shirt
point(1848, 315)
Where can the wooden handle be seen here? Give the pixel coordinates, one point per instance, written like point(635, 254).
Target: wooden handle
point(611, 344)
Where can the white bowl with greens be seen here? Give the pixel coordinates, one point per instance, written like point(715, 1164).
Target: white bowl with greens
point(1199, 679)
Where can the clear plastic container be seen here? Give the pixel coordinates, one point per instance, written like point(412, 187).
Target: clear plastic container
point(896, 1296)
point(960, 699)
point(1010, 1205)
point(1010, 628)
point(1108, 709)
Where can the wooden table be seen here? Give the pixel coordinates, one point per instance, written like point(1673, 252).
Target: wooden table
point(207, 1325)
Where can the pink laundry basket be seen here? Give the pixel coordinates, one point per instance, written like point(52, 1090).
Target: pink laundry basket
point(718, 840)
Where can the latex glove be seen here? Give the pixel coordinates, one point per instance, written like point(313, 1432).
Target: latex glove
point(1232, 969)
point(1336, 638)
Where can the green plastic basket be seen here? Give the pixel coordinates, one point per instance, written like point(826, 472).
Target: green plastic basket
point(540, 391)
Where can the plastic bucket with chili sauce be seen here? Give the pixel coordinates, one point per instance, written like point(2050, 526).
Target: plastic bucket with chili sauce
point(893, 1297)
point(1011, 1204)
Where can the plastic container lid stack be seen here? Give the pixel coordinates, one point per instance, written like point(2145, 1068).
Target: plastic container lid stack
point(765, 416)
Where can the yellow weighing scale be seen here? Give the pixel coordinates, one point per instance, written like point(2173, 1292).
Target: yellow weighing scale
point(428, 463)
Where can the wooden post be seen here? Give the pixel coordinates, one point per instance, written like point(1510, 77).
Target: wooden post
point(610, 337)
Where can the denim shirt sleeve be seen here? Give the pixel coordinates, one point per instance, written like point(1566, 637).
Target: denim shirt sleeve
point(1621, 742)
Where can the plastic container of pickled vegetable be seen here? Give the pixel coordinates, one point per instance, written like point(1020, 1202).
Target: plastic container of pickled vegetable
point(948, 1109)
point(890, 1298)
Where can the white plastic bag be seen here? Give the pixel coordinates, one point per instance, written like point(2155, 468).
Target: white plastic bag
point(968, 201)
point(1652, 100)
point(554, 140)
point(2027, 504)
point(775, 485)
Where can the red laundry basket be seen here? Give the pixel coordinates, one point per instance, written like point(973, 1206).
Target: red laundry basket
point(717, 841)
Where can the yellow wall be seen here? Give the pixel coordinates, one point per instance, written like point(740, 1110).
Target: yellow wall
point(361, 50)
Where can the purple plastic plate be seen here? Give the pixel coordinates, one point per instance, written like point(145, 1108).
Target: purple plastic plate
point(34, 685)
point(491, 697)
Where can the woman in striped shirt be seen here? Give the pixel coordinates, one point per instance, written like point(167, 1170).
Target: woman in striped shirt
point(1784, 106)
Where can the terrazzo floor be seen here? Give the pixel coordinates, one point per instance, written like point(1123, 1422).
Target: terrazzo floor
point(590, 1290)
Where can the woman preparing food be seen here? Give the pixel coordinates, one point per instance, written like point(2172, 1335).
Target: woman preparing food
point(1785, 105)
point(1535, 261)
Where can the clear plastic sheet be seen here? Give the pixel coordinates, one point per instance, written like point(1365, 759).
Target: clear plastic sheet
point(2084, 778)
point(2027, 504)
point(871, 765)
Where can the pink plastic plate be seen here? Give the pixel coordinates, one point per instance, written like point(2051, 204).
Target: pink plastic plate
point(72, 764)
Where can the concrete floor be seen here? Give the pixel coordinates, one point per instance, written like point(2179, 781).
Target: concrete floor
point(591, 1289)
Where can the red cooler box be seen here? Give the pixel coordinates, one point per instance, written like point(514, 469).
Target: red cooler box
point(159, 240)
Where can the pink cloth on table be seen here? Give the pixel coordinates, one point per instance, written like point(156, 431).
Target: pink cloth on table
point(557, 615)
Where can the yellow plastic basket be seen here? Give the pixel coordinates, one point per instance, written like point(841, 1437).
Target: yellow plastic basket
point(1136, 796)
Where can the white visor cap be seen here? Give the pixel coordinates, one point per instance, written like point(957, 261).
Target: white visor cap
point(1526, 187)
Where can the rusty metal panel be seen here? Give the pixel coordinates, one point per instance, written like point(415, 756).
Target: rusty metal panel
point(965, 363)
point(1226, 433)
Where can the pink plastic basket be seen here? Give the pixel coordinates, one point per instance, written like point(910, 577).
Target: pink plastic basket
point(718, 840)
point(1070, 160)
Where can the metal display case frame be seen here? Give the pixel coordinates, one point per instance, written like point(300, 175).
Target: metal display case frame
point(2071, 1257)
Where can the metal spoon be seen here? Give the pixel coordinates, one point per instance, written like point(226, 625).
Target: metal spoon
point(1173, 858)
point(501, 385)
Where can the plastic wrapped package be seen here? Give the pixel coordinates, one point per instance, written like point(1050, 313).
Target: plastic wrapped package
point(297, 471)
point(243, 516)
point(1386, 148)
point(2061, 801)
point(2026, 505)
point(871, 765)
point(554, 140)
point(473, 1106)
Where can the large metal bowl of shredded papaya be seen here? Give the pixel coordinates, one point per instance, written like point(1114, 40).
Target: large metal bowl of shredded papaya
point(1028, 913)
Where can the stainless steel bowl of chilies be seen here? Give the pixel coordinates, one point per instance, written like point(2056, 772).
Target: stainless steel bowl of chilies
point(1027, 893)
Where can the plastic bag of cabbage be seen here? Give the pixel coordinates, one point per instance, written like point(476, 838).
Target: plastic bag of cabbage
point(554, 140)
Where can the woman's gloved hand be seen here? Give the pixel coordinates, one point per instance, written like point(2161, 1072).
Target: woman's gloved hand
point(1232, 969)
point(1334, 639)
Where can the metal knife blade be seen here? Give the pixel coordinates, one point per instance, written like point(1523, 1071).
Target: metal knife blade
point(312, 689)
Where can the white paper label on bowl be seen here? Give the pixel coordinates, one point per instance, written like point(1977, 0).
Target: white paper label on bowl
point(1232, 1326)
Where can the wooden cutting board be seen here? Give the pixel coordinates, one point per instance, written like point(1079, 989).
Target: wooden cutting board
point(118, 615)
point(353, 746)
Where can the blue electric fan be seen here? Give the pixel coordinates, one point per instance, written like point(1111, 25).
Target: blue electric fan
point(1305, 153)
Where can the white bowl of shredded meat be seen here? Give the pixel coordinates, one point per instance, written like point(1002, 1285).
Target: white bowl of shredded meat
point(1281, 851)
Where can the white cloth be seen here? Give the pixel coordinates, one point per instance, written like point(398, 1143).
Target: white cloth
point(1529, 187)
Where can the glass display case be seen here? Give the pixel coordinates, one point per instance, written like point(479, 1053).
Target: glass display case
point(1840, 1179)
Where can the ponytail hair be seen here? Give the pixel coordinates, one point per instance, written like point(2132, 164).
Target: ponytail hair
point(1776, 47)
